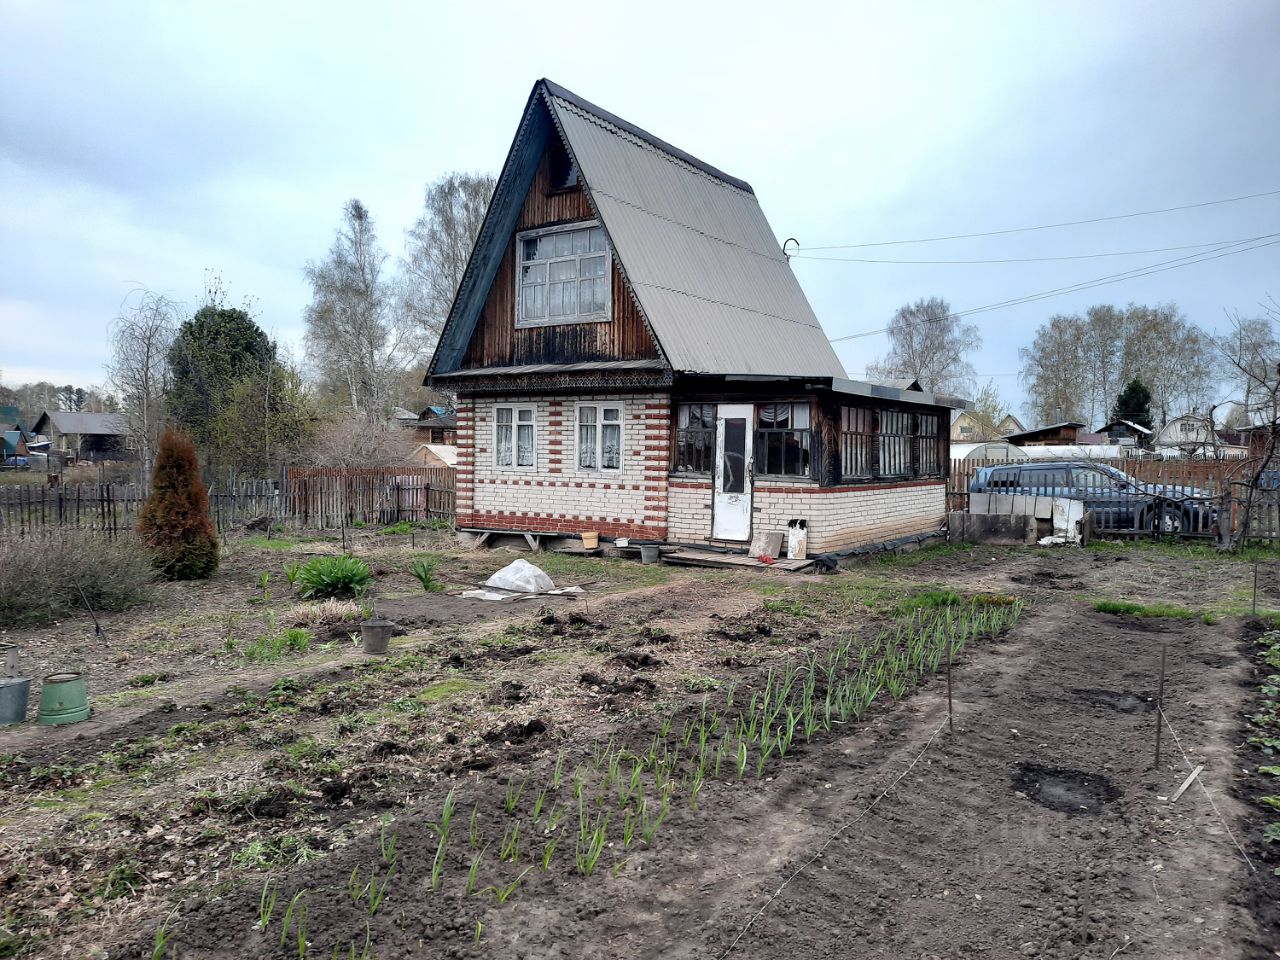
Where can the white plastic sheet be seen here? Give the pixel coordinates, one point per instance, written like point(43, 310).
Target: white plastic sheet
point(521, 576)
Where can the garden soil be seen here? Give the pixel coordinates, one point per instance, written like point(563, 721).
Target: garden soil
point(1036, 825)
point(1039, 826)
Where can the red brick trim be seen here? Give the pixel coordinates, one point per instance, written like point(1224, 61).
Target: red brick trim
point(563, 526)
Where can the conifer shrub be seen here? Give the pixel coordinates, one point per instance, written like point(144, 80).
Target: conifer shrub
point(174, 522)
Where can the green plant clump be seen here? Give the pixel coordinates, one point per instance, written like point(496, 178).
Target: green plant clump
point(273, 646)
point(424, 571)
point(323, 578)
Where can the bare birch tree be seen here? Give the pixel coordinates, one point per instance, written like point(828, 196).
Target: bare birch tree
point(138, 370)
point(928, 344)
point(360, 344)
point(438, 246)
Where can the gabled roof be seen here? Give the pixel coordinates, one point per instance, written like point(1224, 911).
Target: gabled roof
point(692, 242)
point(1123, 423)
point(96, 424)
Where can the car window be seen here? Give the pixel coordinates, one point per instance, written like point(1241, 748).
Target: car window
point(1044, 479)
point(1002, 479)
point(1089, 479)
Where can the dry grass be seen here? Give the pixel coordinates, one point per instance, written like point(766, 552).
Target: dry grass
point(42, 578)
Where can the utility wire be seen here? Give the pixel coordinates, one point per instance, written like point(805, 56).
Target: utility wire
point(1048, 226)
point(1158, 267)
point(1079, 256)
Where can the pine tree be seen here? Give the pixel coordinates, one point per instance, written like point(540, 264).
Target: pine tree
point(174, 522)
point(1134, 404)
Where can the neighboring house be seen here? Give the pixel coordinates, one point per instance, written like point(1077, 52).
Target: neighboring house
point(967, 427)
point(1126, 433)
point(433, 428)
point(633, 356)
point(1194, 435)
point(1054, 435)
point(84, 436)
point(1009, 424)
point(434, 455)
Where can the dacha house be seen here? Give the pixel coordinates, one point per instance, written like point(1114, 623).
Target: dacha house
point(633, 356)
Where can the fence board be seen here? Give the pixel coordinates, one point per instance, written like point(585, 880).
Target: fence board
point(302, 497)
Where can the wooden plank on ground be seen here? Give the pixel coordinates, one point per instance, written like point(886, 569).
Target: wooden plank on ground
point(706, 558)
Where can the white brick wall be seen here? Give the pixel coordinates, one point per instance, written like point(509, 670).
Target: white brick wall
point(837, 518)
point(556, 495)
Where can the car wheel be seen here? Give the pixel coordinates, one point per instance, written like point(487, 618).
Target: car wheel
point(1166, 520)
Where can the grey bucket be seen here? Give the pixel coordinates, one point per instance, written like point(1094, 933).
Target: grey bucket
point(15, 692)
point(649, 553)
point(375, 635)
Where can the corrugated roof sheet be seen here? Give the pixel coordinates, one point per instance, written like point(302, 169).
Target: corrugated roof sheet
point(101, 424)
point(702, 259)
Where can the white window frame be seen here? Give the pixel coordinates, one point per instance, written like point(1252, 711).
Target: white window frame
point(599, 446)
point(595, 316)
point(516, 409)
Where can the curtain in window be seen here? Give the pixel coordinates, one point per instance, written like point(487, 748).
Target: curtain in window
point(611, 439)
point(524, 439)
point(587, 437)
point(502, 453)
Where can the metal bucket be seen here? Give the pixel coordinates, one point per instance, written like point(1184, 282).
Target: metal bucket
point(375, 635)
point(649, 553)
point(15, 692)
point(63, 699)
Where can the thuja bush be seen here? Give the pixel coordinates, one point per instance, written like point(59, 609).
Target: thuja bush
point(41, 577)
point(174, 522)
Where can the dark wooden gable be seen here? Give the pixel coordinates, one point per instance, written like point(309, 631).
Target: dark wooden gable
point(497, 343)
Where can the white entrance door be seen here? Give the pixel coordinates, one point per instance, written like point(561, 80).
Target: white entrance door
point(731, 510)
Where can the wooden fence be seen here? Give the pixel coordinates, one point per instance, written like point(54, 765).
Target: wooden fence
point(1221, 495)
point(300, 498)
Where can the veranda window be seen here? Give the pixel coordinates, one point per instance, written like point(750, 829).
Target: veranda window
point(782, 439)
point(695, 437)
point(928, 465)
point(895, 443)
point(514, 441)
point(563, 276)
point(857, 434)
point(599, 437)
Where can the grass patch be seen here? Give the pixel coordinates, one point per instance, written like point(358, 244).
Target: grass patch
point(447, 690)
point(269, 543)
point(147, 679)
point(1183, 549)
point(271, 647)
point(1129, 608)
point(616, 570)
point(925, 554)
point(928, 600)
point(792, 606)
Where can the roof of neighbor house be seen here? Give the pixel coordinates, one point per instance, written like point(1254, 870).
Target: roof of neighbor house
point(1042, 431)
point(692, 242)
point(446, 453)
point(447, 421)
point(95, 424)
point(1123, 423)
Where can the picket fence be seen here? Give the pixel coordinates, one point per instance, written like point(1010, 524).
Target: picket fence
point(301, 497)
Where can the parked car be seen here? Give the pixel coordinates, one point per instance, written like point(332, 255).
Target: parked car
point(1117, 500)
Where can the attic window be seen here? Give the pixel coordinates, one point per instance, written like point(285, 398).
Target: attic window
point(563, 276)
point(564, 172)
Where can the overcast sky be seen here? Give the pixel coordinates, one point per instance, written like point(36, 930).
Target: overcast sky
point(143, 144)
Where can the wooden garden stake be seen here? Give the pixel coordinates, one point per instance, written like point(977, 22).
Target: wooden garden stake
point(1164, 647)
point(1255, 584)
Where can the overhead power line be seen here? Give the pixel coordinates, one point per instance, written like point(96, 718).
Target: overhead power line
point(1158, 267)
point(1079, 256)
point(1049, 226)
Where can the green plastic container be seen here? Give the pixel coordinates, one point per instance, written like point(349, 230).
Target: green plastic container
point(63, 699)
